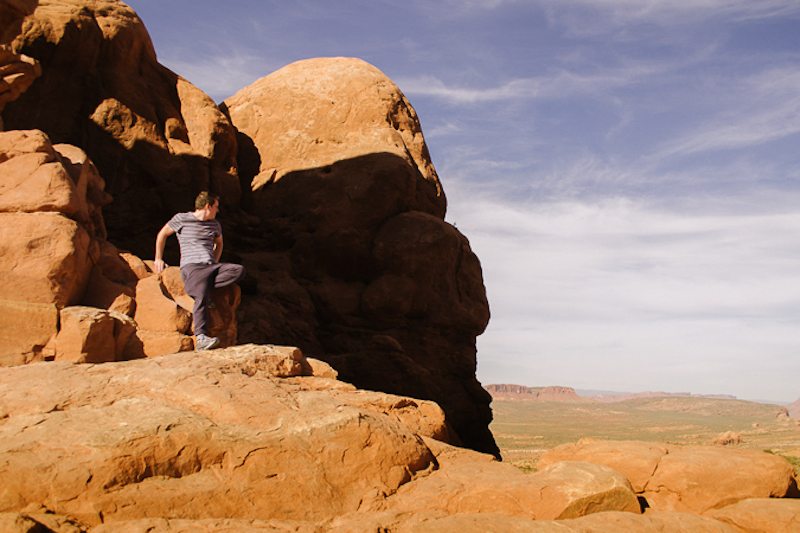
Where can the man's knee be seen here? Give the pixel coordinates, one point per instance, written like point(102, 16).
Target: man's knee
point(228, 274)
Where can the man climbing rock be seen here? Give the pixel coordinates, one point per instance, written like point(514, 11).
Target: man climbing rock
point(200, 239)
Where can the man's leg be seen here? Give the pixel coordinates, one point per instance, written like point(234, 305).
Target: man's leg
point(228, 274)
point(198, 280)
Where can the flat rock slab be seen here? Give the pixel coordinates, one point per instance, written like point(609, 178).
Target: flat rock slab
point(199, 435)
point(690, 479)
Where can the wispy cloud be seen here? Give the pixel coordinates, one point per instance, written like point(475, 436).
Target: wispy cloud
point(617, 280)
point(763, 108)
point(221, 76)
point(561, 83)
point(592, 16)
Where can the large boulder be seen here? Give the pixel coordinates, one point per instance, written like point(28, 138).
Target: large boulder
point(355, 248)
point(44, 258)
point(197, 435)
point(696, 479)
point(760, 515)
point(636, 460)
point(156, 139)
point(564, 490)
point(687, 479)
point(320, 117)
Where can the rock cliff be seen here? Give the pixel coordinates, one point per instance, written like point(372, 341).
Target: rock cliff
point(542, 394)
point(339, 222)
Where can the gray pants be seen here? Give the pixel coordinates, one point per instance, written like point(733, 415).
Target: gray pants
point(199, 279)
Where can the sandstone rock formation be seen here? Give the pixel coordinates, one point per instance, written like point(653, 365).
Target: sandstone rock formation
point(691, 479)
point(352, 211)
point(155, 138)
point(339, 222)
point(66, 293)
point(17, 71)
point(542, 394)
point(238, 433)
point(761, 516)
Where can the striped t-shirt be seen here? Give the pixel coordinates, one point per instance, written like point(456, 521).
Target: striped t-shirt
point(195, 237)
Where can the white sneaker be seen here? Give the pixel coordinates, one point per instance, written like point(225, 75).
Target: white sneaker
point(205, 342)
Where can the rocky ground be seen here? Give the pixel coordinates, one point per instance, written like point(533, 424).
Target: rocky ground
point(260, 438)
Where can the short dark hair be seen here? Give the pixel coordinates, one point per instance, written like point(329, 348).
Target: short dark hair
point(205, 198)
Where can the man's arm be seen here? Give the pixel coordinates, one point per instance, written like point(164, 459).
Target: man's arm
point(217, 248)
point(161, 240)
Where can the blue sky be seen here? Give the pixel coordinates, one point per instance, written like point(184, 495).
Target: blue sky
point(628, 171)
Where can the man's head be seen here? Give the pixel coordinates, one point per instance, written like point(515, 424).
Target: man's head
point(206, 206)
point(205, 198)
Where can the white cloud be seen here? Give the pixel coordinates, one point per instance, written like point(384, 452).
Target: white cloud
point(560, 83)
point(617, 294)
point(764, 107)
point(601, 16)
point(220, 76)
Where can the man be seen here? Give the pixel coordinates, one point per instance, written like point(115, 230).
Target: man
point(200, 239)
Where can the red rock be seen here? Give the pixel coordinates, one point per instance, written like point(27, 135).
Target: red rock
point(563, 490)
point(690, 479)
point(173, 284)
point(728, 437)
point(89, 187)
point(147, 130)
point(606, 522)
point(635, 460)
point(543, 394)
point(103, 293)
point(153, 136)
point(194, 436)
point(18, 523)
point(44, 258)
point(18, 73)
point(25, 330)
point(155, 311)
point(136, 265)
point(696, 479)
point(34, 176)
point(12, 12)
point(160, 525)
point(337, 127)
point(86, 336)
point(761, 515)
point(794, 409)
point(124, 331)
point(146, 343)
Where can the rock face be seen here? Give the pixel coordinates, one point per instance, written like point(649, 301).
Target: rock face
point(17, 71)
point(692, 479)
point(262, 439)
point(156, 139)
point(352, 218)
point(239, 433)
point(338, 217)
point(542, 394)
point(66, 293)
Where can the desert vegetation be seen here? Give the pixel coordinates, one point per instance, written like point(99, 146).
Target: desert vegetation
point(524, 429)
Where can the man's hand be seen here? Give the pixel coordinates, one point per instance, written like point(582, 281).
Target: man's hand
point(159, 265)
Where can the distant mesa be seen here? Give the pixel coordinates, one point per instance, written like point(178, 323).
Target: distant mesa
point(568, 395)
point(543, 394)
point(621, 397)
